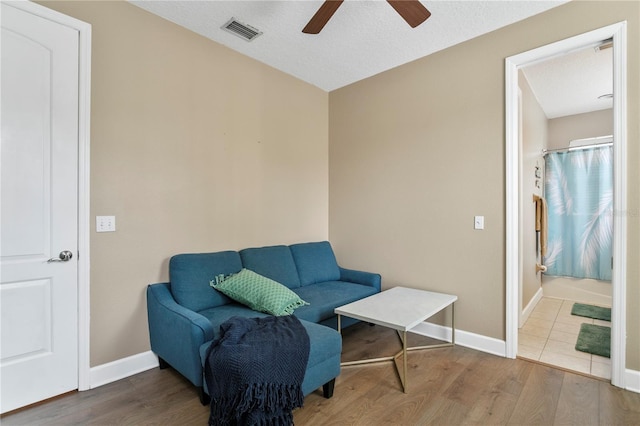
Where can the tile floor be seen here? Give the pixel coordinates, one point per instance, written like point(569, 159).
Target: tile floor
point(549, 335)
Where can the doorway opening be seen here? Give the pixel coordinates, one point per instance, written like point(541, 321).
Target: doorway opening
point(519, 199)
point(567, 225)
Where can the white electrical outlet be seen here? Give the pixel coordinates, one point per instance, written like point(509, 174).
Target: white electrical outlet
point(105, 223)
point(478, 222)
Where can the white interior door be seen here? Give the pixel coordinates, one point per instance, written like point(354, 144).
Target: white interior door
point(39, 207)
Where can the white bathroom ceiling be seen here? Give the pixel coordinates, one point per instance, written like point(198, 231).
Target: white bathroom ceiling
point(363, 38)
point(575, 83)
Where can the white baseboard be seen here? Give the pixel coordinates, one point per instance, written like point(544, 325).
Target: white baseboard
point(122, 368)
point(463, 338)
point(529, 308)
point(632, 380)
point(126, 367)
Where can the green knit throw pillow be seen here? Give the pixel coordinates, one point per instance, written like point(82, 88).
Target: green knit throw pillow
point(258, 292)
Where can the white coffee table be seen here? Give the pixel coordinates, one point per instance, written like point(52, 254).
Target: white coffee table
point(401, 309)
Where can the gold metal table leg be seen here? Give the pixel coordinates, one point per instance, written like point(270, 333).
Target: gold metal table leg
point(405, 384)
point(405, 350)
point(453, 324)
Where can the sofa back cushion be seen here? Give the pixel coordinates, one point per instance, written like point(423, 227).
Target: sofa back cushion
point(274, 262)
point(316, 262)
point(191, 273)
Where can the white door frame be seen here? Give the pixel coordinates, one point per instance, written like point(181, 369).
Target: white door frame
point(513, 267)
point(84, 116)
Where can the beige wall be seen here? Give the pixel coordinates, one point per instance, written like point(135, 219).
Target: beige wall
point(534, 140)
point(187, 164)
point(417, 151)
point(193, 148)
point(563, 130)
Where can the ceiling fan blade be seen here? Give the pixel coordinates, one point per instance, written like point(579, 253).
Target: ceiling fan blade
point(322, 16)
point(411, 11)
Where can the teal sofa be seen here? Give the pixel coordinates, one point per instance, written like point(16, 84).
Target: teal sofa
point(185, 314)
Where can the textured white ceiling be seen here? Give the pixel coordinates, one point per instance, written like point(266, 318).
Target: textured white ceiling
point(571, 84)
point(363, 38)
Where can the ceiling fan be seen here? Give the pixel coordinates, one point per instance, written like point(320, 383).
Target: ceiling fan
point(411, 11)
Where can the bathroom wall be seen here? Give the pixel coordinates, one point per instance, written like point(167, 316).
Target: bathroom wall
point(563, 130)
point(534, 140)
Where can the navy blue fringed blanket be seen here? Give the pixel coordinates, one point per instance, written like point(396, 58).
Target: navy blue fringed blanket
point(255, 370)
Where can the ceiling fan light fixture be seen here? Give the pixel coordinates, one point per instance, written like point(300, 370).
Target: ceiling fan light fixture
point(244, 31)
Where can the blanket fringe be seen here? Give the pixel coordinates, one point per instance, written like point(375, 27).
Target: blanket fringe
point(273, 399)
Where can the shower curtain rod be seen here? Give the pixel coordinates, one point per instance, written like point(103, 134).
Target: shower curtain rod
point(576, 148)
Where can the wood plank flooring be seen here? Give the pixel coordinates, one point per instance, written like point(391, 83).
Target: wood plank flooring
point(449, 386)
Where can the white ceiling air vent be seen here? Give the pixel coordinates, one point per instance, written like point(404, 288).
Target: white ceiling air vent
point(244, 31)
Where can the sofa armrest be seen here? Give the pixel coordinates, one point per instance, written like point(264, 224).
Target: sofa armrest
point(361, 277)
point(176, 333)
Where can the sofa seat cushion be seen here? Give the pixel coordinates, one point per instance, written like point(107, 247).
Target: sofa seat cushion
point(323, 298)
point(325, 343)
point(275, 262)
point(220, 314)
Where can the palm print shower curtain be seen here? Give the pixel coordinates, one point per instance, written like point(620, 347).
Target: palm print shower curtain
point(579, 193)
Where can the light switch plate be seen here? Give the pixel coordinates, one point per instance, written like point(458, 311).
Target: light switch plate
point(478, 222)
point(105, 223)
